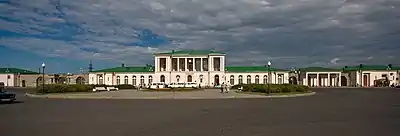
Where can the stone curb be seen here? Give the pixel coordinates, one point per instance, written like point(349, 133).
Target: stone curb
point(182, 98)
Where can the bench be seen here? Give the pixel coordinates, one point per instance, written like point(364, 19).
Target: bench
point(112, 89)
point(99, 89)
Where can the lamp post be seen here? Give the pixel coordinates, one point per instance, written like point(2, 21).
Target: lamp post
point(269, 77)
point(389, 67)
point(360, 75)
point(43, 66)
point(8, 76)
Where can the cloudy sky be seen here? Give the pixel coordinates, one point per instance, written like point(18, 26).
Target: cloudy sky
point(67, 34)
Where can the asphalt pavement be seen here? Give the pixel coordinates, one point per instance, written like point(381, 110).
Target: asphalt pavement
point(336, 112)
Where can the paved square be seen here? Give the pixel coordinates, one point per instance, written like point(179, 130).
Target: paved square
point(336, 112)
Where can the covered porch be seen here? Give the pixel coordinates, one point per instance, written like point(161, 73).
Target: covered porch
point(323, 79)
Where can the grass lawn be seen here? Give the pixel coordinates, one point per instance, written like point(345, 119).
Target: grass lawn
point(289, 93)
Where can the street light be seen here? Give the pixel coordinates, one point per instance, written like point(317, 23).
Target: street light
point(269, 77)
point(8, 76)
point(43, 66)
point(360, 75)
point(389, 67)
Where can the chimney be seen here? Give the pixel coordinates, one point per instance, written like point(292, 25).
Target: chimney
point(122, 65)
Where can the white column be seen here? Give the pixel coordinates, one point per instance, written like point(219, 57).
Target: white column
point(329, 79)
point(360, 79)
point(194, 64)
point(201, 64)
point(186, 65)
point(169, 66)
point(340, 79)
point(222, 63)
point(306, 80)
point(156, 64)
point(178, 64)
point(317, 80)
point(210, 64)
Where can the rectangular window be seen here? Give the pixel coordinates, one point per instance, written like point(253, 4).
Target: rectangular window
point(217, 62)
point(197, 64)
point(190, 64)
point(205, 64)
point(174, 64)
point(182, 64)
point(163, 64)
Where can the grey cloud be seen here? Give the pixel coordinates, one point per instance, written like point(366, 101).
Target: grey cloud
point(287, 32)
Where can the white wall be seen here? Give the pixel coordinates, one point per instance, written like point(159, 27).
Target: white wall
point(274, 77)
point(171, 77)
point(374, 75)
point(7, 82)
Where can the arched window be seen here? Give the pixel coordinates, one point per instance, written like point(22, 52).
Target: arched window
point(240, 79)
point(118, 80)
point(177, 78)
point(189, 78)
point(248, 79)
point(201, 78)
point(232, 80)
point(162, 78)
point(150, 79)
point(133, 80)
point(126, 80)
point(257, 81)
point(80, 80)
point(265, 79)
point(142, 80)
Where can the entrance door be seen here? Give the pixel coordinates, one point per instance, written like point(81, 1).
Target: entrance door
point(23, 83)
point(343, 81)
point(292, 80)
point(216, 80)
point(365, 79)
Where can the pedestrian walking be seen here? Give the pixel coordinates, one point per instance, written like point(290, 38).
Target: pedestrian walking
point(227, 87)
point(222, 87)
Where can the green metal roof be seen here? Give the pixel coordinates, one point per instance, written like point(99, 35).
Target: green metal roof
point(369, 67)
point(128, 69)
point(318, 69)
point(251, 69)
point(16, 71)
point(191, 52)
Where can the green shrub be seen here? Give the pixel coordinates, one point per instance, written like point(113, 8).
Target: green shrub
point(124, 86)
point(64, 88)
point(272, 88)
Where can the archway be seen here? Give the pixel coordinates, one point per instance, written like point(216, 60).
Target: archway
point(39, 81)
point(343, 81)
point(23, 83)
point(216, 79)
point(80, 80)
point(292, 80)
point(62, 80)
point(189, 78)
